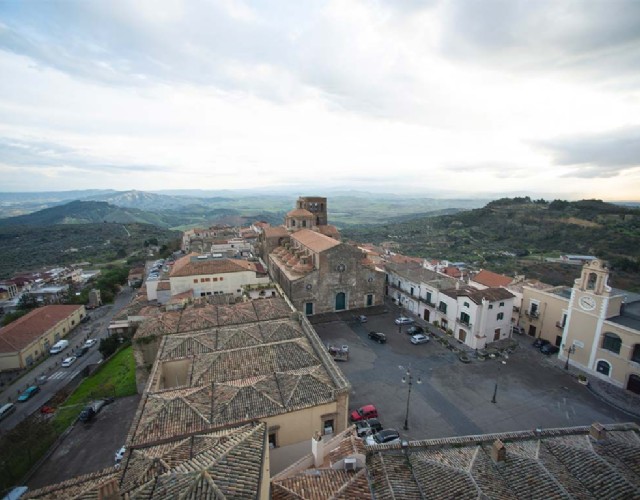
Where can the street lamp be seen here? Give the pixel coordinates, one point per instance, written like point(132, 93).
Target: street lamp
point(570, 351)
point(495, 387)
point(408, 379)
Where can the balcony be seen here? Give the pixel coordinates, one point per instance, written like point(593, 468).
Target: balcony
point(560, 325)
point(516, 309)
point(533, 314)
point(463, 322)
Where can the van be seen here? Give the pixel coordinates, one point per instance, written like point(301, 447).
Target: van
point(7, 410)
point(59, 346)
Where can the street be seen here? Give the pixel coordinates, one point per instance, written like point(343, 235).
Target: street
point(56, 377)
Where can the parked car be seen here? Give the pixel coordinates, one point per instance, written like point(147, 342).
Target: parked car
point(549, 349)
point(59, 346)
point(414, 330)
point(517, 330)
point(379, 337)
point(34, 389)
point(368, 426)
point(385, 436)
point(366, 412)
point(7, 410)
point(67, 362)
point(90, 342)
point(539, 342)
point(361, 319)
point(403, 320)
point(81, 351)
point(90, 411)
point(120, 455)
point(419, 339)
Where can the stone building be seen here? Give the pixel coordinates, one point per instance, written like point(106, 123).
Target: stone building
point(317, 272)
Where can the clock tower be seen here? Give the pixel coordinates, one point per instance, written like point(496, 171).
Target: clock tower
point(587, 311)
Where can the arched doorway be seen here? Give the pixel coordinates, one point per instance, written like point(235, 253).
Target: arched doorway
point(633, 384)
point(341, 301)
point(426, 314)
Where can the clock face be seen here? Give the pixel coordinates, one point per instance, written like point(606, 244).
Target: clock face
point(587, 303)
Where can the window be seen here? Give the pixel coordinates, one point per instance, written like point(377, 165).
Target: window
point(412, 291)
point(465, 318)
point(201, 280)
point(635, 355)
point(500, 316)
point(591, 282)
point(328, 426)
point(308, 308)
point(603, 367)
point(429, 298)
point(466, 304)
point(501, 304)
point(442, 307)
point(214, 279)
point(195, 280)
point(612, 342)
point(490, 306)
point(369, 299)
point(221, 279)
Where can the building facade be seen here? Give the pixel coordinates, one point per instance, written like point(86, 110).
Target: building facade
point(30, 337)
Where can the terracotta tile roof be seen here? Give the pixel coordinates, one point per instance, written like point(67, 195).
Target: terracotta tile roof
point(329, 230)
point(86, 486)
point(225, 463)
point(452, 271)
point(491, 279)
point(233, 374)
point(325, 481)
point(190, 265)
point(314, 241)
point(163, 285)
point(300, 212)
point(275, 231)
point(23, 331)
point(490, 294)
point(556, 463)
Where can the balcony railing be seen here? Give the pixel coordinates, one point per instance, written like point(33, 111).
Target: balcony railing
point(533, 314)
point(560, 324)
point(516, 309)
point(463, 322)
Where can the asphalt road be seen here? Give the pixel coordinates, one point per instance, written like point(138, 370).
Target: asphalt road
point(56, 376)
point(455, 398)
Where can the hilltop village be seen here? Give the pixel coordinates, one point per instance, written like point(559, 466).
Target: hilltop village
point(256, 354)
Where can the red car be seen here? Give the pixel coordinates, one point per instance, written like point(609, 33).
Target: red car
point(367, 411)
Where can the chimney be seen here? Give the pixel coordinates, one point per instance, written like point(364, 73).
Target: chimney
point(498, 452)
point(597, 431)
point(317, 449)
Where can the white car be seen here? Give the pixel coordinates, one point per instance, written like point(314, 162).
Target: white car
point(419, 339)
point(66, 362)
point(120, 455)
point(403, 320)
point(90, 342)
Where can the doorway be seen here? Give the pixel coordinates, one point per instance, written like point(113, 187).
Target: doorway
point(341, 301)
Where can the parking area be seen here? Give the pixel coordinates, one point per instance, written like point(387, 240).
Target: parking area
point(90, 446)
point(454, 398)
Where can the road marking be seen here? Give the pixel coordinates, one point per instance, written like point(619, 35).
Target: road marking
point(57, 375)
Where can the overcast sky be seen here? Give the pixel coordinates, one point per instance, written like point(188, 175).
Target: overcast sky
point(445, 98)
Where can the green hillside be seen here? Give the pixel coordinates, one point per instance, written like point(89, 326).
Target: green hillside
point(507, 235)
point(24, 248)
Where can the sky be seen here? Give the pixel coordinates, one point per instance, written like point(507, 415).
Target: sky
point(441, 97)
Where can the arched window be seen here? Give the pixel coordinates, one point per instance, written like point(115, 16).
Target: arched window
point(591, 281)
point(635, 354)
point(612, 342)
point(603, 367)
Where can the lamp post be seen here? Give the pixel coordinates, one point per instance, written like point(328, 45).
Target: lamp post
point(495, 387)
point(570, 351)
point(408, 379)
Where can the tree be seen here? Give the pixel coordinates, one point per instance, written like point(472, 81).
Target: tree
point(27, 302)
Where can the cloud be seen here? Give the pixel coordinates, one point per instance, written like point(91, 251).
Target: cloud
point(601, 39)
point(36, 154)
point(607, 154)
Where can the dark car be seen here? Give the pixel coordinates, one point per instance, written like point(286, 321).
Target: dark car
point(414, 330)
point(369, 426)
point(539, 342)
point(549, 349)
point(93, 409)
point(81, 351)
point(379, 337)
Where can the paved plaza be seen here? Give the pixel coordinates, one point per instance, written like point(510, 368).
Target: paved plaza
point(456, 398)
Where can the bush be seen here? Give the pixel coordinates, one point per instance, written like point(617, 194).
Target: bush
point(109, 345)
